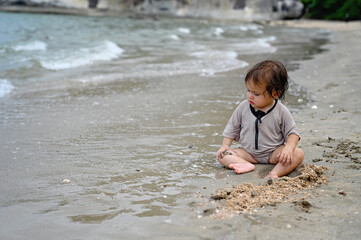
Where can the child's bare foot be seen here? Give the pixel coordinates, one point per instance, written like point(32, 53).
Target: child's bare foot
point(242, 167)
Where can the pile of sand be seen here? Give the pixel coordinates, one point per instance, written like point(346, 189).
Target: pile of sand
point(244, 198)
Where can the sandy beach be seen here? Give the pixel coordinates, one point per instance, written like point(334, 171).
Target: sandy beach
point(106, 155)
point(330, 130)
point(330, 137)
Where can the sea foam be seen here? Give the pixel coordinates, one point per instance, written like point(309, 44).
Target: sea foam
point(184, 30)
point(5, 87)
point(30, 46)
point(218, 31)
point(211, 62)
point(105, 51)
point(204, 63)
point(174, 37)
point(260, 45)
point(250, 27)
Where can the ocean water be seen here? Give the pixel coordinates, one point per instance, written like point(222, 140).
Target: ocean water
point(32, 47)
point(109, 126)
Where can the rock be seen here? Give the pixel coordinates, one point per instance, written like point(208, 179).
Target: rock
point(221, 9)
point(304, 205)
point(209, 211)
point(221, 194)
point(254, 193)
point(46, 3)
point(317, 159)
point(93, 3)
point(288, 9)
point(342, 192)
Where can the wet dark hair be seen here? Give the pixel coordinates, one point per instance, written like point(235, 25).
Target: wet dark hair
point(271, 73)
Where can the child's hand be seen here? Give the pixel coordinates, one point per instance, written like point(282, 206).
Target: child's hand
point(220, 154)
point(286, 155)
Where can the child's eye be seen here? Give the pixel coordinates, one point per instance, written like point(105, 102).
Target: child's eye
point(256, 94)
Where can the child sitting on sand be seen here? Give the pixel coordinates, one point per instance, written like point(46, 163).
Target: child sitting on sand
point(263, 125)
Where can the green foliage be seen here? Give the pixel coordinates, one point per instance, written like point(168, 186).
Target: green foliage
point(333, 9)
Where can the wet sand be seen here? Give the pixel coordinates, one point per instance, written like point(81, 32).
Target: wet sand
point(330, 137)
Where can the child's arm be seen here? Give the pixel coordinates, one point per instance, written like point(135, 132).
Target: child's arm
point(226, 145)
point(286, 155)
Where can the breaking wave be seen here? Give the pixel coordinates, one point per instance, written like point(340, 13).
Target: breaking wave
point(106, 51)
point(30, 46)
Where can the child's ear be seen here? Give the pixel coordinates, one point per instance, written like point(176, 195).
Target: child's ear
point(275, 94)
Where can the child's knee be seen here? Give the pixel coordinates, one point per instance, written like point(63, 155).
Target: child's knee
point(299, 155)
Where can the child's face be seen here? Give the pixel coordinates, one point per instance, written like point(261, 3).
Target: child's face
point(258, 96)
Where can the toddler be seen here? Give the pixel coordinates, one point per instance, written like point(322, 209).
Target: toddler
point(263, 125)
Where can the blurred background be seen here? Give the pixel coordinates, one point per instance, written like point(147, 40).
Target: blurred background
point(239, 9)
